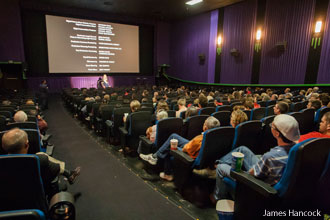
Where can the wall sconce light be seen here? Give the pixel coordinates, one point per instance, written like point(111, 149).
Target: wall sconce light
point(257, 45)
point(316, 40)
point(219, 45)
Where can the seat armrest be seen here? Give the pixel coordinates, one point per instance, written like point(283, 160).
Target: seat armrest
point(182, 156)
point(123, 131)
point(255, 184)
point(145, 140)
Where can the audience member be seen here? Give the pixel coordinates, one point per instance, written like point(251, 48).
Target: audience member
point(190, 147)
point(270, 166)
point(324, 129)
point(281, 108)
point(182, 107)
point(314, 104)
point(15, 141)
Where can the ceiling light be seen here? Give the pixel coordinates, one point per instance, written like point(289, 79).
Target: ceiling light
point(193, 2)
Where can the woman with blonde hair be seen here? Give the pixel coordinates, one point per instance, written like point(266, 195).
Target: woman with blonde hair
point(237, 117)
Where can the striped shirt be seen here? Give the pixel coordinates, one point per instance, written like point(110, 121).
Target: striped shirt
point(271, 165)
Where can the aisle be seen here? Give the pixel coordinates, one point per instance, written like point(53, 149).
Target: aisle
point(109, 189)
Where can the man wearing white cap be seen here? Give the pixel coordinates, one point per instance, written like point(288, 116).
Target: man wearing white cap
point(270, 166)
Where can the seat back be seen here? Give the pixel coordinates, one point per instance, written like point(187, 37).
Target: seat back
point(106, 111)
point(27, 214)
point(2, 123)
point(258, 113)
point(223, 108)
point(223, 117)
point(308, 120)
point(23, 125)
point(269, 110)
point(303, 171)
point(194, 126)
point(206, 111)
point(270, 102)
point(248, 134)
point(117, 116)
point(9, 109)
point(216, 143)
point(165, 128)
point(147, 109)
point(171, 113)
point(262, 103)
point(139, 122)
point(7, 114)
point(21, 185)
point(296, 107)
point(319, 114)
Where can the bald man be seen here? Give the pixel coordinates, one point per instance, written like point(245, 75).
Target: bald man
point(15, 141)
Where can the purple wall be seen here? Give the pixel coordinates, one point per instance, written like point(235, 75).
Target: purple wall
point(162, 40)
point(324, 68)
point(11, 39)
point(289, 21)
point(189, 39)
point(238, 32)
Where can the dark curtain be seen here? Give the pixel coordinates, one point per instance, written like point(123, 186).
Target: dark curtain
point(238, 33)
point(324, 68)
point(290, 21)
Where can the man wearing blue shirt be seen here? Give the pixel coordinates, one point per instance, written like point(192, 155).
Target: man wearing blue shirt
point(270, 166)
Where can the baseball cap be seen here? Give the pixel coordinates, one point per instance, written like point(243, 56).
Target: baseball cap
point(288, 126)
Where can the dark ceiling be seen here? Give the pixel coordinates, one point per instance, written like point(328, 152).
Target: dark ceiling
point(165, 10)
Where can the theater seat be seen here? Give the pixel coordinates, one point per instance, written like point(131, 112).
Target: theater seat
point(164, 129)
point(295, 190)
point(21, 187)
point(248, 134)
point(193, 126)
point(216, 143)
point(223, 117)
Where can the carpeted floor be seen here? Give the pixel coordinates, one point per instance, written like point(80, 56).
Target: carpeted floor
point(109, 190)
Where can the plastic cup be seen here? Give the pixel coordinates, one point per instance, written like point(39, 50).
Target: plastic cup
point(225, 209)
point(174, 144)
point(237, 161)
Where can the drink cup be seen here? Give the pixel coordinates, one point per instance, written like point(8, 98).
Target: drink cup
point(125, 115)
point(237, 161)
point(174, 144)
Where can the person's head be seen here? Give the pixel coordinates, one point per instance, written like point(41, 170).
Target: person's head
point(237, 117)
point(44, 82)
point(97, 98)
point(265, 98)
point(20, 116)
point(161, 114)
point(191, 111)
point(314, 104)
point(314, 96)
point(134, 105)
point(285, 129)
point(29, 102)
point(248, 105)
point(15, 141)
point(211, 122)
point(181, 102)
point(274, 97)
point(162, 104)
point(325, 124)
point(287, 90)
point(6, 102)
point(325, 99)
point(315, 89)
point(106, 98)
point(202, 101)
point(281, 108)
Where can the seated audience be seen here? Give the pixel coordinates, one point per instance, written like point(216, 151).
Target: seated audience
point(15, 141)
point(324, 129)
point(237, 117)
point(182, 107)
point(314, 104)
point(151, 131)
point(270, 166)
point(281, 108)
point(190, 147)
